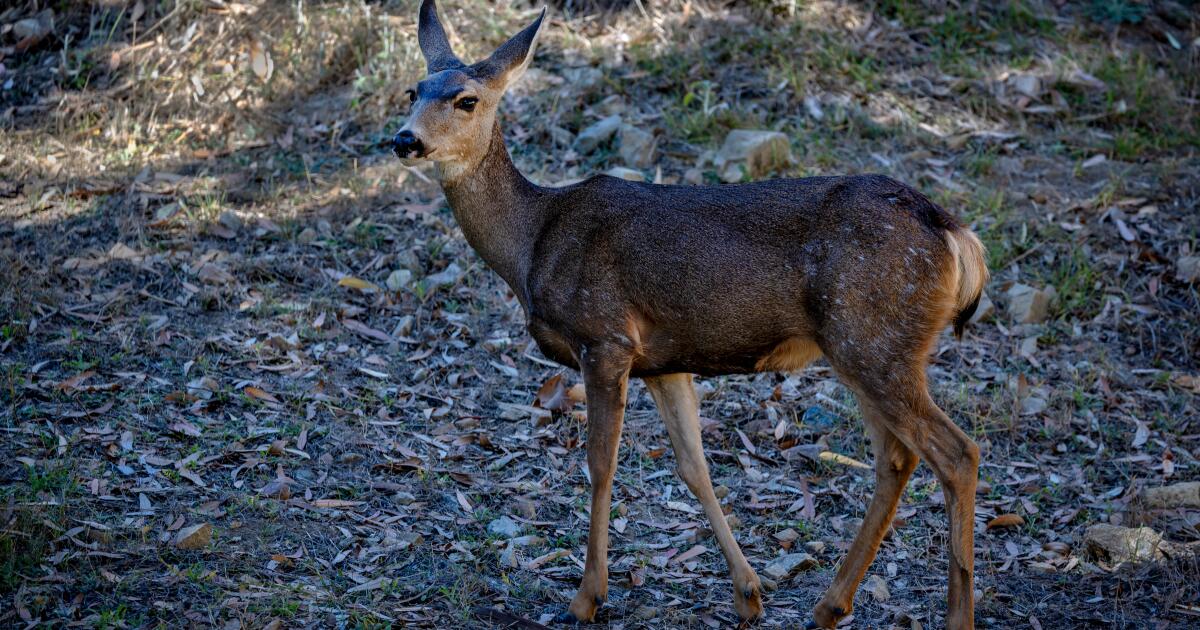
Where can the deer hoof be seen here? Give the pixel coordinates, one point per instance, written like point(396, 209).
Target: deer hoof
point(747, 601)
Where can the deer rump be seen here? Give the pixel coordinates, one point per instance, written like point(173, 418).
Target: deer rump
point(753, 277)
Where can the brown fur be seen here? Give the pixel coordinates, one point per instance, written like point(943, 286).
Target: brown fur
point(622, 279)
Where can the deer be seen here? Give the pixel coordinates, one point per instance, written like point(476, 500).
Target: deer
point(620, 279)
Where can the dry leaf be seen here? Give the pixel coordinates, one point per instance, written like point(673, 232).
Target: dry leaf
point(260, 61)
point(357, 283)
point(1006, 520)
point(260, 394)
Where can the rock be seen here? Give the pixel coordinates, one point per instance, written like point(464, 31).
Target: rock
point(787, 536)
point(399, 279)
point(230, 221)
point(1187, 269)
point(1026, 84)
point(597, 134)
point(1116, 544)
point(449, 276)
point(878, 588)
point(1033, 405)
point(694, 176)
point(1029, 305)
point(307, 235)
point(1186, 495)
point(788, 565)
point(752, 153)
point(194, 537)
point(637, 147)
point(505, 527)
point(626, 173)
point(34, 29)
point(721, 491)
point(815, 546)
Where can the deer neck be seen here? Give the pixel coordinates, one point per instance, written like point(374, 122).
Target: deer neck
point(499, 211)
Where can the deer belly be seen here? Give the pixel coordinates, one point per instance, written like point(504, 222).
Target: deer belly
point(552, 344)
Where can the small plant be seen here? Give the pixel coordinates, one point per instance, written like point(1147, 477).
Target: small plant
point(1115, 12)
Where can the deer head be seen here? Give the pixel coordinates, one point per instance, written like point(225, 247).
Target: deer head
point(454, 107)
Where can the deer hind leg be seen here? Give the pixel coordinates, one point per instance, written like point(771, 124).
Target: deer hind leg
point(894, 463)
point(676, 399)
point(954, 458)
point(605, 375)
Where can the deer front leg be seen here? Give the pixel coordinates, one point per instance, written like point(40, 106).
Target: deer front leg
point(605, 375)
point(675, 397)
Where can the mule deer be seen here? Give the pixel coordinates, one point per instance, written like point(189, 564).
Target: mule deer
point(621, 279)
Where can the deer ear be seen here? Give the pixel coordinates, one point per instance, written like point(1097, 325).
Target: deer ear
point(434, 44)
point(510, 60)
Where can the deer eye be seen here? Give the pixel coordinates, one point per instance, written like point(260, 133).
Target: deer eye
point(467, 104)
point(412, 96)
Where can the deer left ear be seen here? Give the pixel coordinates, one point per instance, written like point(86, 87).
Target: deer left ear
point(510, 60)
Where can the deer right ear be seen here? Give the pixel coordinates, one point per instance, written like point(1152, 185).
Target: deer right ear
point(511, 59)
point(432, 39)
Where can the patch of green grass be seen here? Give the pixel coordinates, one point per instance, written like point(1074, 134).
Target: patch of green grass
point(27, 539)
point(1141, 99)
point(1078, 283)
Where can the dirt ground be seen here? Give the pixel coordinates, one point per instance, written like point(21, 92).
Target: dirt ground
point(251, 374)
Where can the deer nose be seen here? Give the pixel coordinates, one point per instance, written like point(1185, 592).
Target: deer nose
point(405, 143)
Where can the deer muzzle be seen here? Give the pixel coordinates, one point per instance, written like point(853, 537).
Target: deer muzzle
point(405, 144)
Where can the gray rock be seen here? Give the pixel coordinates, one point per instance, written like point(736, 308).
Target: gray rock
point(752, 153)
point(1117, 544)
point(637, 147)
point(694, 176)
point(505, 527)
point(1026, 84)
point(36, 27)
point(448, 276)
point(1030, 305)
point(788, 565)
point(597, 134)
point(399, 279)
point(626, 173)
point(230, 220)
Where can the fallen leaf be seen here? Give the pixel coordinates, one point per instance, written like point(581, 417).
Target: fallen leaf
point(1006, 520)
point(260, 394)
point(357, 283)
point(260, 61)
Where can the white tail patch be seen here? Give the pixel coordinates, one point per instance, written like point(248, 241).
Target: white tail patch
point(970, 268)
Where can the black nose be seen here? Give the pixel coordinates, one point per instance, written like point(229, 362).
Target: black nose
point(406, 143)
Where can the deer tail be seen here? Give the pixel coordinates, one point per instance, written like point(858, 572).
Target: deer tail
point(970, 274)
